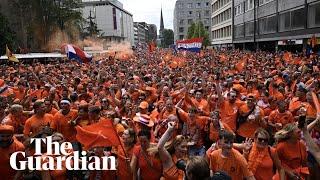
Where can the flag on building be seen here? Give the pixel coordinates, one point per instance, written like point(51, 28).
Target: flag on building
point(11, 57)
point(75, 53)
point(193, 45)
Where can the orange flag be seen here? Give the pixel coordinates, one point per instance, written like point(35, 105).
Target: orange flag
point(287, 56)
point(101, 134)
point(240, 65)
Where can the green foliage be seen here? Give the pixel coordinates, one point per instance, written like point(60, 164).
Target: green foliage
point(42, 18)
point(7, 36)
point(168, 37)
point(197, 30)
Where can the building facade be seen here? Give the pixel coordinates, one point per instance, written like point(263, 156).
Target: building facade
point(275, 24)
point(188, 11)
point(144, 33)
point(221, 20)
point(115, 23)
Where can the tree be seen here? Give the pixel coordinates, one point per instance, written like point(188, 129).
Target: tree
point(7, 36)
point(197, 30)
point(41, 19)
point(168, 38)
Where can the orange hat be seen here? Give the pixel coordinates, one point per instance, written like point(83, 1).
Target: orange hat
point(6, 129)
point(144, 119)
point(144, 105)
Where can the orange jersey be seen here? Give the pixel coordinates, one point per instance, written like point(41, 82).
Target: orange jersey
point(235, 165)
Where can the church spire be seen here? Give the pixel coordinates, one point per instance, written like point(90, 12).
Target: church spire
point(161, 22)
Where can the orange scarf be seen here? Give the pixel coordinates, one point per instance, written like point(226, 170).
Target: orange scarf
point(256, 157)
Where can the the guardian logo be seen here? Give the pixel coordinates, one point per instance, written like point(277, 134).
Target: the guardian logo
point(59, 156)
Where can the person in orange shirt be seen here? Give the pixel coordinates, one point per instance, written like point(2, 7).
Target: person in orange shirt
point(216, 125)
point(194, 127)
point(49, 109)
point(19, 91)
point(168, 110)
point(280, 117)
point(251, 117)
point(169, 160)
point(15, 118)
point(5, 90)
point(310, 108)
point(297, 101)
point(200, 103)
point(229, 160)
point(129, 139)
point(148, 162)
point(228, 109)
point(55, 174)
point(292, 152)
point(61, 121)
point(8, 145)
point(38, 121)
point(262, 158)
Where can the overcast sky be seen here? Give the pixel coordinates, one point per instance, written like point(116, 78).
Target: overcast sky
point(149, 11)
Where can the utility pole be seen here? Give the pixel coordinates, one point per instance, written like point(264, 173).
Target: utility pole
point(254, 25)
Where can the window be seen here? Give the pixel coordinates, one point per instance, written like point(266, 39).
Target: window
point(189, 5)
point(198, 5)
point(284, 21)
point(237, 10)
point(262, 2)
point(114, 13)
point(249, 27)
point(239, 30)
point(181, 37)
point(249, 5)
point(190, 12)
point(267, 25)
point(297, 20)
point(189, 21)
point(207, 28)
point(180, 6)
point(207, 13)
point(181, 22)
point(181, 29)
point(314, 15)
point(181, 13)
point(207, 4)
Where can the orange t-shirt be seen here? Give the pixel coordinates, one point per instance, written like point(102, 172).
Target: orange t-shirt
point(264, 170)
point(214, 133)
point(60, 123)
point(5, 169)
point(123, 170)
point(283, 118)
point(173, 173)
point(229, 113)
point(247, 128)
point(292, 155)
point(17, 122)
point(35, 124)
point(235, 165)
point(152, 171)
point(53, 111)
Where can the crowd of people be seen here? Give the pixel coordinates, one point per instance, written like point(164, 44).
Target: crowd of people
point(211, 115)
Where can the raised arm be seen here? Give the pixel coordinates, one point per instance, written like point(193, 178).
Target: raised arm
point(165, 156)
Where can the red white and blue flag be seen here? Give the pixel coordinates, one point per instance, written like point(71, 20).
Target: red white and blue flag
point(193, 44)
point(75, 53)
